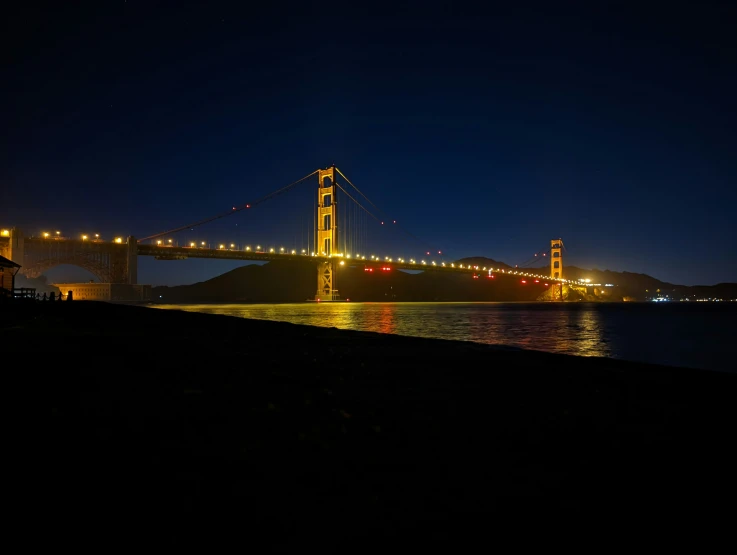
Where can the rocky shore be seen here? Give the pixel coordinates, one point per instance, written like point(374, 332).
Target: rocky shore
point(187, 427)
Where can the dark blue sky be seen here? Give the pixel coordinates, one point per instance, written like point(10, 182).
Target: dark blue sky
point(483, 131)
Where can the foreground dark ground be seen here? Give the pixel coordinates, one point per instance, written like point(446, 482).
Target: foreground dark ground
point(289, 436)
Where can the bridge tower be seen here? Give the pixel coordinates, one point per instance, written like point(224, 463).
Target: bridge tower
point(16, 247)
point(326, 235)
point(556, 258)
point(556, 264)
point(131, 267)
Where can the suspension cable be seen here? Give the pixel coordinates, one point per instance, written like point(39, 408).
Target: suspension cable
point(424, 243)
point(374, 216)
point(532, 259)
point(233, 211)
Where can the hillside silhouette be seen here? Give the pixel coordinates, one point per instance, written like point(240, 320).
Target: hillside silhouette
point(279, 281)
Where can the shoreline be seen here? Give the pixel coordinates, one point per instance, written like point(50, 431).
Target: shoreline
point(358, 435)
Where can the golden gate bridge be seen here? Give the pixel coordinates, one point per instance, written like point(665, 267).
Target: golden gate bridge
point(336, 235)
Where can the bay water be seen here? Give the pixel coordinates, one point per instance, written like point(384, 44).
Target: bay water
point(698, 335)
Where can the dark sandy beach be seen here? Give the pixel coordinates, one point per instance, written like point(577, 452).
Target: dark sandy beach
point(289, 436)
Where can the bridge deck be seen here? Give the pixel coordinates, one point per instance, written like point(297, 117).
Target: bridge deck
point(183, 253)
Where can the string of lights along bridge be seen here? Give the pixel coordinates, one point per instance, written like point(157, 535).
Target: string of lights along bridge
point(331, 225)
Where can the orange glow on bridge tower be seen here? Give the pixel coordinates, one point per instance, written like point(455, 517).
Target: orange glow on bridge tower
point(556, 264)
point(556, 258)
point(326, 234)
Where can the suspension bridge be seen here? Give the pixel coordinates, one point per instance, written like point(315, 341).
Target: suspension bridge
point(338, 233)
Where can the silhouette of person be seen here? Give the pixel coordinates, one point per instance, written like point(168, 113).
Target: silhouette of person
point(44, 297)
point(52, 296)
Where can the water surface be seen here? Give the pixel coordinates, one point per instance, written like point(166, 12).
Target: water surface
point(697, 335)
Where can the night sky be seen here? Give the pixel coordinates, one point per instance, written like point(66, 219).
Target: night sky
point(483, 132)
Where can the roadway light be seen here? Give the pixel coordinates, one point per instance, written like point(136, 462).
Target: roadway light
point(248, 248)
point(191, 244)
point(158, 242)
point(232, 245)
point(203, 243)
point(271, 249)
point(170, 240)
point(46, 234)
point(281, 249)
point(222, 246)
point(97, 235)
point(84, 237)
point(58, 232)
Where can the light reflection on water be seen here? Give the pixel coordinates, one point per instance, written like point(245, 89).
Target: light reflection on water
point(674, 335)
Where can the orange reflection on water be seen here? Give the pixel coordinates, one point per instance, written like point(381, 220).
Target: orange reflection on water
point(386, 319)
point(554, 327)
point(557, 329)
point(581, 335)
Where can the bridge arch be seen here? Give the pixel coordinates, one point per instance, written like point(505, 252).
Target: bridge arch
point(109, 262)
point(40, 267)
